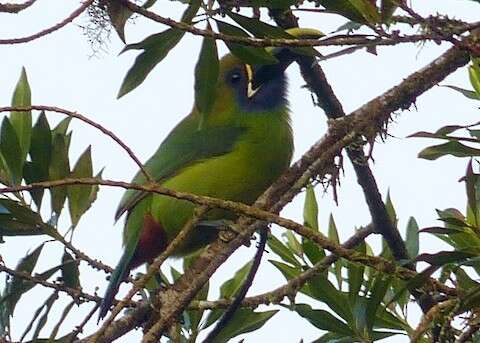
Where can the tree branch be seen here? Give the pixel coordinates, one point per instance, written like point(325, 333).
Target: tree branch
point(49, 30)
point(88, 121)
point(15, 8)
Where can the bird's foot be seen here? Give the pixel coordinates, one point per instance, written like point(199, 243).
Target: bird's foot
point(228, 229)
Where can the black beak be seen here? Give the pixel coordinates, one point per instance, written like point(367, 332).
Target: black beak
point(265, 73)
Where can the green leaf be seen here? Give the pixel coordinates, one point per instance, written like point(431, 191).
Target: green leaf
point(464, 281)
point(17, 286)
point(59, 169)
point(474, 75)
point(387, 9)
point(40, 155)
point(248, 54)
point(62, 127)
point(323, 290)
point(391, 210)
point(263, 30)
point(360, 11)
point(355, 275)
point(228, 289)
point(70, 272)
point(22, 121)
point(43, 319)
point(231, 286)
point(292, 243)
point(156, 47)
point(17, 219)
point(312, 250)
point(444, 257)
point(206, 76)
point(288, 271)
point(377, 294)
point(244, 320)
point(333, 236)
point(310, 209)
point(323, 320)
point(79, 196)
point(11, 151)
point(63, 316)
point(471, 179)
point(467, 93)
point(412, 241)
point(453, 148)
point(118, 14)
point(281, 250)
point(147, 60)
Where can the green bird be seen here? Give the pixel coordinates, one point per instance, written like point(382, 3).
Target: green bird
point(235, 153)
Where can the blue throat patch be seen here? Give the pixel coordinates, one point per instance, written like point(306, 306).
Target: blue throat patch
point(270, 96)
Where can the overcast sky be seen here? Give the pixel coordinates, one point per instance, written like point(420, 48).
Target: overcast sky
point(62, 72)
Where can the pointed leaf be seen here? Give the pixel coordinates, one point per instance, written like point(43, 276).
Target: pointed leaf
point(377, 294)
point(40, 155)
point(453, 148)
point(412, 241)
point(206, 75)
point(465, 92)
point(11, 151)
point(20, 120)
point(355, 275)
point(263, 30)
point(244, 320)
point(118, 15)
point(59, 169)
point(387, 9)
point(79, 196)
point(443, 257)
point(474, 74)
point(281, 250)
point(310, 209)
point(333, 236)
point(156, 47)
point(70, 272)
point(17, 286)
point(248, 54)
point(323, 320)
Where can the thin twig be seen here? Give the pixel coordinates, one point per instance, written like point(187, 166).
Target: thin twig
point(75, 293)
point(79, 329)
point(256, 213)
point(266, 42)
point(51, 29)
point(152, 269)
point(88, 121)
point(15, 8)
point(230, 312)
point(290, 288)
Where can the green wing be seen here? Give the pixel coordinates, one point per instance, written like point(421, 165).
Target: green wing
point(183, 147)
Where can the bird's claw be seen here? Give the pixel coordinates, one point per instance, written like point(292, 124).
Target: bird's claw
point(228, 229)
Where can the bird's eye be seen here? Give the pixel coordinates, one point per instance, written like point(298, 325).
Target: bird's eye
point(235, 77)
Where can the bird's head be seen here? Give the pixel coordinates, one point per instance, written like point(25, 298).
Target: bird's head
point(254, 88)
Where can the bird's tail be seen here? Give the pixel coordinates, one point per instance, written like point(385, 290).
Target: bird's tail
point(118, 276)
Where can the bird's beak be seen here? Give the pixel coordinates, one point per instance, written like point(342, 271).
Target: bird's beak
point(258, 76)
point(250, 90)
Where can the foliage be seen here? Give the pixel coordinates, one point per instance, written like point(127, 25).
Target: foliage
point(361, 297)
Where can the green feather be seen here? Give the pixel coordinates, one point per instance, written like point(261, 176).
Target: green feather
point(184, 146)
point(236, 154)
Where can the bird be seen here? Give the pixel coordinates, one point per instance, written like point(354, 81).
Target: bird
point(234, 153)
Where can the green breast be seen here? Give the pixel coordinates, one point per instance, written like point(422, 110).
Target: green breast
point(259, 157)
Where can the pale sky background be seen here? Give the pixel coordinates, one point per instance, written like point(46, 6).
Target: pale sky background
point(62, 73)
